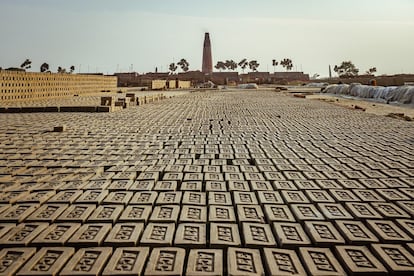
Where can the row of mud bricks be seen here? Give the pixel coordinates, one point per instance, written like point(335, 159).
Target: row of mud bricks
point(130, 100)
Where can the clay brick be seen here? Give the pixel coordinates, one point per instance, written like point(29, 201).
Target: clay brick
point(11, 259)
point(290, 235)
point(216, 186)
point(166, 261)
point(124, 234)
point(87, 261)
point(320, 261)
point(149, 176)
point(144, 198)
point(355, 232)
point(334, 211)
point(173, 176)
point(195, 177)
point(243, 261)
point(165, 186)
point(91, 234)
point(269, 197)
point(135, 213)
point(306, 212)
point(319, 196)
point(393, 194)
point(47, 261)
point(294, 197)
point(358, 260)
point(47, 212)
point(323, 233)
point(245, 198)
point(165, 213)
point(22, 234)
point(219, 198)
point(158, 234)
point(258, 235)
point(250, 213)
point(395, 257)
point(169, 198)
point(407, 206)
point(142, 185)
point(223, 235)
point(205, 262)
point(127, 261)
point(342, 195)
point(368, 195)
point(278, 213)
point(388, 231)
point(193, 213)
point(238, 185)
point(106, 213)
point(282, 262)
point(92, 197)
point(118, 197)
point(218, 213)
point(190, 235)
point(65, 197)
point(407, 225)
point(195, 186)
point(194, 198)
point(5, 228)
point(362, 210)
point(18, 212)
point(56, 234)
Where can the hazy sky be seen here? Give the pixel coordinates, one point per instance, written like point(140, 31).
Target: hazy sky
point(110, 35)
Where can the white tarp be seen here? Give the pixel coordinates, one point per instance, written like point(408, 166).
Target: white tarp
point(399, 94)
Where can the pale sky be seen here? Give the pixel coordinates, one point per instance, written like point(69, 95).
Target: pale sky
point(109, 35)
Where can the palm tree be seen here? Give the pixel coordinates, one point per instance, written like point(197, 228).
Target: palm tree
point(172, 67)
point(61, 70)
point(26, 64)
point(243, 64)
point(220, 65)
point(371, 71)
point(253, 65)
point(231, 64)
point(184, 64)
point(274, 64)
point(44, 67)
point(72, 69)
point(287, 63)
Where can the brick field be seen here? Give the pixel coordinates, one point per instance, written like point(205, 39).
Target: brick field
point(208, 183)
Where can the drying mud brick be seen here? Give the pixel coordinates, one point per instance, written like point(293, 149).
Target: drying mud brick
point(11, 259)
point(282, 262)
point(334, 211)
point(91, 234)
point(355, 232)
point(245, 198)
point(258, 235)
point(278, 213)
point(223, 235)
point(390, 210)
point(193, 213)
point(294, 197)
point(18, 212)
point(219, 198)
point(218, 213)
point(165, 213)
point(362, 210)
point(144, 198)
point(118, 197)
point(244, 261)
point(388, 231)
point(190, 235)
point(306, 212)
point(323, 233)
point(127, 261)
point(158, 234)
point(290, 235)
point(358, 260)
point(5, 228)
point(250, 213)
point(47, 261)
point(76, 213)
point(23, 234)
point(124, 234)
point(135, 213)
point(87, 261)
point(205, 262)
point(106, 213)
point(320, 261)
point(169, 198)
point(166, 261)
point(395, 258)
point(269, 197)
point(56, 234)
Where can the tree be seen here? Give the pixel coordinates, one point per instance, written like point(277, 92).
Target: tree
point(346, 70)
point(26, 64)
point(243, 64)
point(287, 63)
point(44, 67)
point(253, 65)
point(371, 71)
point(172, 67)
point(72, 69)
point(183, 64)
point(61, 70)
point(231, 64)
point(274, 64)
point(220, 66)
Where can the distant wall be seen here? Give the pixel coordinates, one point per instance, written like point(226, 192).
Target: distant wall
point(20, 86)
point(169, 84)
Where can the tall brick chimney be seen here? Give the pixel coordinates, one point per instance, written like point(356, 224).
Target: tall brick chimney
point(207, 67)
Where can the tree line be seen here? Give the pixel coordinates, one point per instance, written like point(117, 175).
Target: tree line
point(44, 68)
